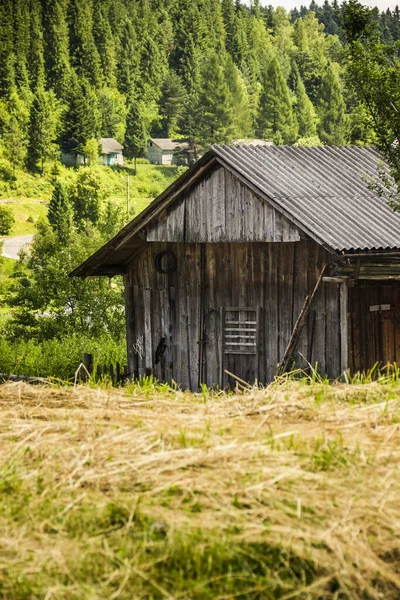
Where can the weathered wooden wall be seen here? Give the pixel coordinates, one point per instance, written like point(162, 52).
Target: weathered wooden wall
point(221, 209)
point(183, 307)
point(374, 309)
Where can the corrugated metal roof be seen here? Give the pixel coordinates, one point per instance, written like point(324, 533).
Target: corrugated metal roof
point(110, 145)
point(324, 189)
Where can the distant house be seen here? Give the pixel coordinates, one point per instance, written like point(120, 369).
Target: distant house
point(164, 151)
point(111, 151)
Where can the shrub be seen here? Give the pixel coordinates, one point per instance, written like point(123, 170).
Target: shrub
point(7, 220)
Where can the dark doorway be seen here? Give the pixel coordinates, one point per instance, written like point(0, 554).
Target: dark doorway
point(374, 324)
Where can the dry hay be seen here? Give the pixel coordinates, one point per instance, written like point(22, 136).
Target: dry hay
point(310, 470)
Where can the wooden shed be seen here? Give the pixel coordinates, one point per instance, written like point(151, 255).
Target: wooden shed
point(221, 265)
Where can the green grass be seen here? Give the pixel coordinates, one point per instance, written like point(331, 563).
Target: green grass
point(6, 268)
point(150, 493)
point(26, 213)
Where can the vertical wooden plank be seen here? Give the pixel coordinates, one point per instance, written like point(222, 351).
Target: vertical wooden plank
point(222, 346)
point(319, 345)
point(216, 199)
point(344, 326)
point(286, 298)
point(271, 323)
point(333, 328)
point(129, 322)
point(300, 293)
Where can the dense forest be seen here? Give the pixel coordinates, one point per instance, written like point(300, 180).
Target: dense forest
point(207, 70)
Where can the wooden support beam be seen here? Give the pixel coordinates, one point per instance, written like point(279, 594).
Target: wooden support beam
point(299, 326)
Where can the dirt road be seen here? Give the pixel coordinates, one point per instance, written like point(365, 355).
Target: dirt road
point(13, 245)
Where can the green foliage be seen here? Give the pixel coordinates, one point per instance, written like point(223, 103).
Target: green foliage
point(333, 120)
point(87, 196)
point(6, 220)
point(276, 120)
point(43, 124)
point(91, 151)
point(373, 71)
point(81, 118)
point(58, 357)
point(48, 303)
point(60, 213)
point(136, 135)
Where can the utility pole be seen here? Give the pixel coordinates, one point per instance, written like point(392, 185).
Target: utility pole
point(127, 195)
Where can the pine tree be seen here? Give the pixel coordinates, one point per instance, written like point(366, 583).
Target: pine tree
point(7, 56)
point(136, 134)
point(112, 113)
point(14, 130)
point(305, 112)
point(60, 213)
point(80, 122)
point(36, 53)
point(22, 43)
point(214, 121)
point(239, 100)
point(172, 102)
point(87, 197)
point(56, 47)
point(127, 57)
point(332, 109)
point(42, 133)
point(276, 120)
point(83, 52)
point(105, 43)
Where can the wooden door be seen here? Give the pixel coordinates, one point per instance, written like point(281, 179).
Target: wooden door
point(374, 325)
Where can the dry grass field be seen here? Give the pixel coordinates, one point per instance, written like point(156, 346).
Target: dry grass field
point(290, 492)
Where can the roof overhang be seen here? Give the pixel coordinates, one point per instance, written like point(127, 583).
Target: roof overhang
point(112, 258)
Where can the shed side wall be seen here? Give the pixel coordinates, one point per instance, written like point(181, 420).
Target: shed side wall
point(181, 310)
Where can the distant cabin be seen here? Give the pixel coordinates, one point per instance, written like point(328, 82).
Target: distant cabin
point(164, 151)
point(260, 259)
point(111, 152)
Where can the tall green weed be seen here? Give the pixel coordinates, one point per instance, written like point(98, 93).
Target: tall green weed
point(57, 358)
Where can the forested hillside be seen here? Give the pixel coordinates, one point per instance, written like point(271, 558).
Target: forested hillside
point(207, 70)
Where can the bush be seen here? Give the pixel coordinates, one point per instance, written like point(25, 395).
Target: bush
point(7, 220)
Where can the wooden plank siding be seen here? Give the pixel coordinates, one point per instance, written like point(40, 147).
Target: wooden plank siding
point(220, 208)
point(184, 307)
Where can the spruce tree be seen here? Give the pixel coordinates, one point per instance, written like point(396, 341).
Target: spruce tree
point(136, 135)
point(105, 43)
point(42, 133)
point(215, 106)
point(7, 56)
point(88, 195)
point(81, 118)
point(333, 120)
point(22, 37)
point(305, 112)
point(57, 47)
point(83, 52)
point(60, 213)
point(239, 100)
point(172, 102)
point(36, 53)
point(276, 120)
